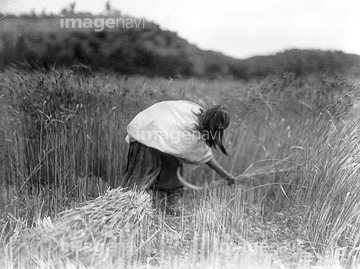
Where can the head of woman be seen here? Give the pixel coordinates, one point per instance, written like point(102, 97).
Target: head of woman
point(212, 123)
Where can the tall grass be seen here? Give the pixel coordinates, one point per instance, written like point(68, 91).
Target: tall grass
point(63, 144)
point(61, 128)
point(333, 191)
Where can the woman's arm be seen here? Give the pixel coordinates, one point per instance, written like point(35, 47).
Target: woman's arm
point(221, 171)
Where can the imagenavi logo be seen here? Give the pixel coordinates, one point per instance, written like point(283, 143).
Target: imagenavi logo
point(100, 23)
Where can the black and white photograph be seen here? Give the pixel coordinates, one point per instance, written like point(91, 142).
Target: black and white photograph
point(163, 134)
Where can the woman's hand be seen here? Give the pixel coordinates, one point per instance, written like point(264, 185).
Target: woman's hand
point(230, 179)
point(221, 171)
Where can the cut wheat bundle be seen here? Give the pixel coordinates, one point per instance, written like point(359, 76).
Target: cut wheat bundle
point(275, 166)
point(98, 229)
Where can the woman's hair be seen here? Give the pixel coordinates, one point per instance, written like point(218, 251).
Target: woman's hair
point(212, 123)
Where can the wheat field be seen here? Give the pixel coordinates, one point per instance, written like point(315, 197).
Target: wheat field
point(63, 154)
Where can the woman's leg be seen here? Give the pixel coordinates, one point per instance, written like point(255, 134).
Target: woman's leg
point(168, 179)
point(174, 201)
point(169, 187)
point(168, 200)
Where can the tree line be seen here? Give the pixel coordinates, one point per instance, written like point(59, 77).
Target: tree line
point(151, 51)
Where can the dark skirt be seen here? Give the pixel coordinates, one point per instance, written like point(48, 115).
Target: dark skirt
point(149, 168)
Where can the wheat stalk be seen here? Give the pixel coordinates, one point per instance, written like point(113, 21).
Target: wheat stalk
point(249, 173)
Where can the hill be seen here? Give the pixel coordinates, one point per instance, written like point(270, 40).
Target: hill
point(303, 62)
point(146, 49)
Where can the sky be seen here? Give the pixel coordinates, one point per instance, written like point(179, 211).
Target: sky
point(240, 28)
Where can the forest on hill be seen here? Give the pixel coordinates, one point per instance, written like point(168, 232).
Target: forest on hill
point(39, 41)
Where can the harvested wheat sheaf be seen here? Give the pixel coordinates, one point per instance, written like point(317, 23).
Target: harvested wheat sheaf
point(97, 229)
point(271, 166)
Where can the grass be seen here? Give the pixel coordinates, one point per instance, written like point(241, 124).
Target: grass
point(62, 144)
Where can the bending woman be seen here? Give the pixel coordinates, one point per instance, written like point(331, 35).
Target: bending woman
point(168, 134)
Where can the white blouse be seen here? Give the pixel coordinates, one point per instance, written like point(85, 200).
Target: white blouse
point(172, 128)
